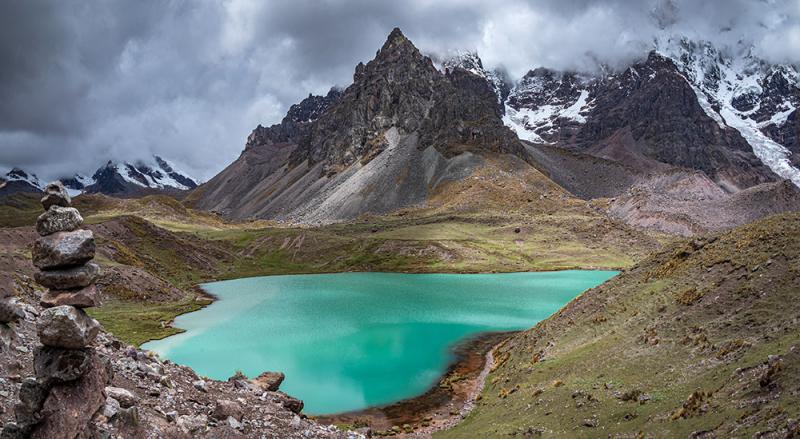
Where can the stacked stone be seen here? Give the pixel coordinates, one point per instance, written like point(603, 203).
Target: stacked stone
point(68, 387)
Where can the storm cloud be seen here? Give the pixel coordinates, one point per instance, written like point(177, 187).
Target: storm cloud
point(85, 82)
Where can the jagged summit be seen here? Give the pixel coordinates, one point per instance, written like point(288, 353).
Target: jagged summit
point(140, 177)
point(401, 116)
point(685, 104)
point(17, 180)
point(395, 40)
point(472, 63)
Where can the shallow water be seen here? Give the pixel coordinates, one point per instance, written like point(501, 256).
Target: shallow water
point(353, 340)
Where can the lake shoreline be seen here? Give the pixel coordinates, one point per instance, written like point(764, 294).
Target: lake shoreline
point(445, 404)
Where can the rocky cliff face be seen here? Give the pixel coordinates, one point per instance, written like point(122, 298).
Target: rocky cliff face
point(398, 131)
point(646, 117)
point(687, 105)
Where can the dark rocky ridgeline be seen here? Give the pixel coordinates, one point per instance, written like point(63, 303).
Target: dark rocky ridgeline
point(653, 103)
point(648, 118)
point(384, 142)
point(67, 389)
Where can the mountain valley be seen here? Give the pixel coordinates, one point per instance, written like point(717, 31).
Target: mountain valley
point(681, 171)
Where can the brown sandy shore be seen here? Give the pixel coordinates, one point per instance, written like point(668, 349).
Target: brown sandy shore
point(441, 407)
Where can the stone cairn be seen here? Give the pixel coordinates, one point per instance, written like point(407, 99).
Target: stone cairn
point(67, 389)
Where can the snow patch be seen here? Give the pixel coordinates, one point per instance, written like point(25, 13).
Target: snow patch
point(717, 80)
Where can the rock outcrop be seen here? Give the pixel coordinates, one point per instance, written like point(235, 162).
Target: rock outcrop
point(68, 388)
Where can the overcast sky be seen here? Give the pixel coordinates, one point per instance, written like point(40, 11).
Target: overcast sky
point(82, 82)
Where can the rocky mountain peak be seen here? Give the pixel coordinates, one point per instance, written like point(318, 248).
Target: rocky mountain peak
point(400, 111)
point(18, 180)
point(396, 39)
point(470, 61)
point(397, 61)
point(19, 174)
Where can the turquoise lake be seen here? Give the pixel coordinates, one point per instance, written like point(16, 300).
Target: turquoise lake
point(353, 340)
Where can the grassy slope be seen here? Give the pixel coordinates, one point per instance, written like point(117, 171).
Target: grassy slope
point(506, 217)
point(680, 343)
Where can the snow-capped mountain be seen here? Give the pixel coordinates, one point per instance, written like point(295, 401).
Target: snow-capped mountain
point(114, 178)
point(18, 180)
point(747, 94)
point(740, 93)
point(76, 184)
point(126, 178)
point(542, 97)
point(471, 62)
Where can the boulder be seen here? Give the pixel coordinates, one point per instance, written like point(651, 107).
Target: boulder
point(225, 409)
point(32, 394)
point(55, 195)
point(66, 327)
point(58, 365)
point(292, 404)
point(125, 397)
point(58, 219)
point(63, 249)
point(269, 381)
point(87, 297)
point(10, 311)
point(77, 277)
point(70, 407)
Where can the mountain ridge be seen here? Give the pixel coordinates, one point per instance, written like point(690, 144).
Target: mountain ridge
point(404, 127)
point(121, 179)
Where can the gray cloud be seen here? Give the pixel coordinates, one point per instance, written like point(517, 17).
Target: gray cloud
point(84, 82)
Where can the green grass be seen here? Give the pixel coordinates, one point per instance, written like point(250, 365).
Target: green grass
point(633, 333)
point(137, 322)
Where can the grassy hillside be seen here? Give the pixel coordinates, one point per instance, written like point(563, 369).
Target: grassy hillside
point(505, 217)
point(700, 339)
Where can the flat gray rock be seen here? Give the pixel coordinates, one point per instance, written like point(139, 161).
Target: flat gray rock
point(58, 219)
point(68, 278)
point(63, 249)
point(83, 298)
point(66, 327)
